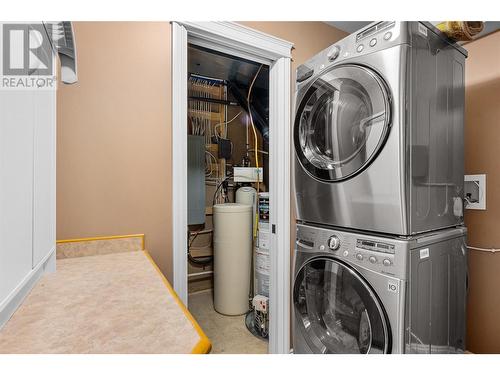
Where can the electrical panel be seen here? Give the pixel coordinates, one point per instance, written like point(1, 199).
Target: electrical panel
point(196, 179)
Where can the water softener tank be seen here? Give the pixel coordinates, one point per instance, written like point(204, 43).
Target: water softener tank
point(232, 257)
point(247, 195)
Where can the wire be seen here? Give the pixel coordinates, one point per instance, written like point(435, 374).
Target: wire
point(226, 123)
point(491, 250)
point(218, 187)
point(261, 151)
point(255, 143)
point(206, 260)
point(211, 168)
point(251, 117)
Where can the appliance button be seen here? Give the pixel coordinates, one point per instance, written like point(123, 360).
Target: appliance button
point(359, 256)
point(386, 262)
point(322, 247)
point(373, 42)
point(334, 242)
point(373, 259)
point(345, 253)
point(360, 48)
point(333, 53)
point(387, 35)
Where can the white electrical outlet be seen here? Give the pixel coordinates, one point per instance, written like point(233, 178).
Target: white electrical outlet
point(260, 303)
point(475, 191)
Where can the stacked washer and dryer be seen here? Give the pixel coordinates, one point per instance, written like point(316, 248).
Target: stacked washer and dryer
point(380, 262)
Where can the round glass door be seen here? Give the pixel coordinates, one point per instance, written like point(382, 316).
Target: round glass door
point(336, 311)
point(342, 122)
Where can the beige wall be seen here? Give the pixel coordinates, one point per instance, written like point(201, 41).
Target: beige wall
point(482, 142)
point(308, 38)
point(114, 129)
point(113, 136)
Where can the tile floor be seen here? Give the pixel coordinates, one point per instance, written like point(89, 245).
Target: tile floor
point(228, 334)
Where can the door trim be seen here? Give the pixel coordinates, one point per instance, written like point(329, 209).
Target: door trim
point(241, 41)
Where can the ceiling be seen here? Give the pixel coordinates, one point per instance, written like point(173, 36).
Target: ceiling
point(353, 26)
point(210, 63)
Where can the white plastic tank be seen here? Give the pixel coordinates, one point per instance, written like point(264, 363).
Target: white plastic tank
point(232, 257)
point(247, 195)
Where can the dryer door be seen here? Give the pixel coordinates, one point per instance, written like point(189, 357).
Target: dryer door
point(342, 122)
point(336, 311)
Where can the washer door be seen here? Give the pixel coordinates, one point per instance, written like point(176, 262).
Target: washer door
point(342, 122)
point(336, 311)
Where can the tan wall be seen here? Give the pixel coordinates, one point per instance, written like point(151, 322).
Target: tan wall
point(308, 38)
point(482, 142)
point(114, 136)
point(114, 129)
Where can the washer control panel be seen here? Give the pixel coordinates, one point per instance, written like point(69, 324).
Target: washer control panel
point(380, 247)
point(379, 254)
point(376, 253)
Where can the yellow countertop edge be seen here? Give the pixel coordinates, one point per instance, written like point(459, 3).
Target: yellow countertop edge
point(105, 238)
point(204, 345)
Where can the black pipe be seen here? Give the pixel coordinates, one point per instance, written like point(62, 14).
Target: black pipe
point(212, 100)
point(259, 119)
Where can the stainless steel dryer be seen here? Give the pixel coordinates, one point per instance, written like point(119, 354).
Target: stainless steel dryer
point(357, 293)
point(378, 131)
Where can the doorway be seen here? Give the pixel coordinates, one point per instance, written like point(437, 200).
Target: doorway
point(247, 44)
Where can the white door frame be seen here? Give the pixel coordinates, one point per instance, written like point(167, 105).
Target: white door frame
point(238, 40)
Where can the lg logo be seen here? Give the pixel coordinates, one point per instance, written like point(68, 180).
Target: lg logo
point(392, 287)
point(26, 50)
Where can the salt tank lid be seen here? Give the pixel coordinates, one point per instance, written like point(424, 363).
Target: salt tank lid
point(232, 207)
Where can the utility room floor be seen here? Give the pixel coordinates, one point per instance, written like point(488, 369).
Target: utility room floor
point(228, 334)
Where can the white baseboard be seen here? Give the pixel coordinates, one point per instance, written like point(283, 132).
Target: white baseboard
point(12, 302)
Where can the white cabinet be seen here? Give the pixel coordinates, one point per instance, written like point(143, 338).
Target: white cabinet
point(44, 175)
point(16, 188)
point(27, 191)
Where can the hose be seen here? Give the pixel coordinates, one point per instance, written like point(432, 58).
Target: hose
point(201, 261)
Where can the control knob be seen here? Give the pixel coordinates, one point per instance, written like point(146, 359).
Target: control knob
point(333, 242)
point(333, 53)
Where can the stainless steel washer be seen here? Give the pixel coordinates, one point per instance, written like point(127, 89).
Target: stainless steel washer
point(358, 293)
point(378, 131)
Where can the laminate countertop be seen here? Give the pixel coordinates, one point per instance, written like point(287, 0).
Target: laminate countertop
point(113, 303)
